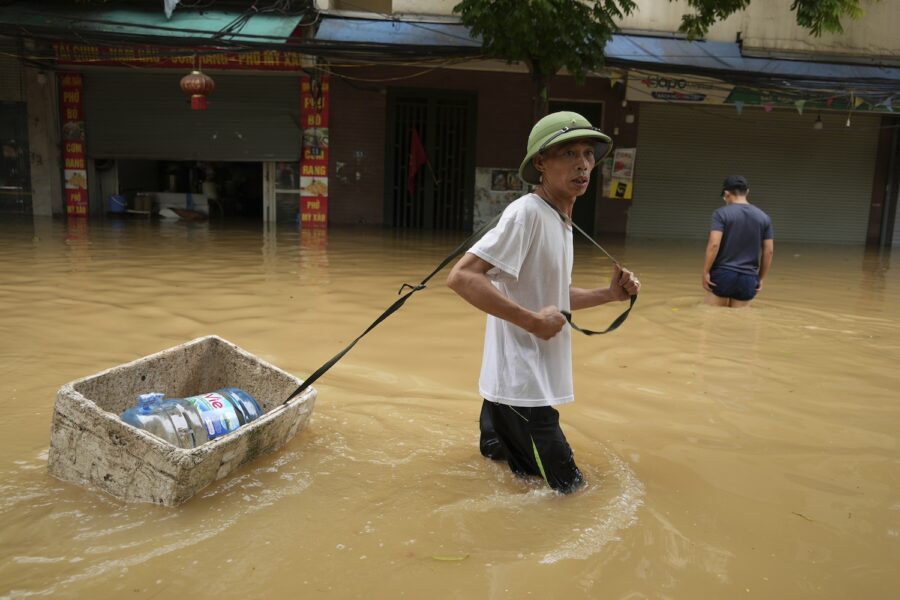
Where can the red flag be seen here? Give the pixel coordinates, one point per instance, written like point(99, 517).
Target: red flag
point(417, 158)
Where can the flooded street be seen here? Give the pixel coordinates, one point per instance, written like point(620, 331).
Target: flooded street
point(729, 454)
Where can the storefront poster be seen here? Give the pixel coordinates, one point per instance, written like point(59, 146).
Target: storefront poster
point(618, 174)
point(495, 189)
point(74, 167)
point(314, 97)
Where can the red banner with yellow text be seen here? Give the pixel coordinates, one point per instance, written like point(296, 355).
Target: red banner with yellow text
point(71, 86)
point(315, 94)
point(175, 58)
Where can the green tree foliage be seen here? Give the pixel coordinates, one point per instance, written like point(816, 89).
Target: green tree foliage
point(818, 16)
point(549, 35)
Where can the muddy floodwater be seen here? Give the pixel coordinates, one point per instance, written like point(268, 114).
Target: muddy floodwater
point(728, 453)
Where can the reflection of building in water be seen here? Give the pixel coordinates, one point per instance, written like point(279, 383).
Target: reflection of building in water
point(313, 257)
point(78, 243)
point(876, 263)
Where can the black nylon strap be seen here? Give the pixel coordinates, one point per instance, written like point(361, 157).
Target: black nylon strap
point(613, 326)
point(395, 306)
point(421, 286)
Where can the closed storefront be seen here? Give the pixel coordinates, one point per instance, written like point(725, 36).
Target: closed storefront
point(816, 184)
point(146, 115)
point(145, 141)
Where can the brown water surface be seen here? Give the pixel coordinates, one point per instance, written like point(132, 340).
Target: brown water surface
point(729, 454)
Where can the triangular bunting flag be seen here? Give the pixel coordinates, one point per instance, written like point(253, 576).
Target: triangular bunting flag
point(829, 100)
point(799, 104)
point(888, 104)
point(768, 106)
point(614, 78)
point(739, 106)
point(857, 101)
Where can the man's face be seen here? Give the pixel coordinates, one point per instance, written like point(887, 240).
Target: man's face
point(566, 167)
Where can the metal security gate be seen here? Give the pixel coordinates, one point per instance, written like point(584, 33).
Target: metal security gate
point(439, 194)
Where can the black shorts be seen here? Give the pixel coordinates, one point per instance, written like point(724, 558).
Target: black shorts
point(731, 284)
point(531, 442)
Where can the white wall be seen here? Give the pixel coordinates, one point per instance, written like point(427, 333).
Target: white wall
point(663, 16)
point(766, 25)
point(425, 7)
point(771, 25)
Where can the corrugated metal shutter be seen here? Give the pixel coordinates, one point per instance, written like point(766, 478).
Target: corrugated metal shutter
point(11, 75)
point(896, 235)
point(146, 115)
point(815, 184)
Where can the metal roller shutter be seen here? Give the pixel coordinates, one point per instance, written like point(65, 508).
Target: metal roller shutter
point(146, 115)
point(815, 184)
point(11, 74)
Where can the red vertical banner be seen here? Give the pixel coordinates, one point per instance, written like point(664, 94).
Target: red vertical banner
point(315, 93)
point(71, 87)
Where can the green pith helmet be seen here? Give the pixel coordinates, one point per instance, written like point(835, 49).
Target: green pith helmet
point(557, 128)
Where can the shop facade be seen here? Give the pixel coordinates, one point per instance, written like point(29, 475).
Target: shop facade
point(435, 143)
point(144, 140)
point(473, 127)
point(15, 173)
point(816, 184)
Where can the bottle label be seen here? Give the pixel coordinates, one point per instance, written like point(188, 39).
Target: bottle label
point(217, 412)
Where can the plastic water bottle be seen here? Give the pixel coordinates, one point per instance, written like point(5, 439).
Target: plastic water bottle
point(189, 422)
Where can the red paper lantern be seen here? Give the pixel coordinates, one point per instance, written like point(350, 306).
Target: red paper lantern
point(199, 85)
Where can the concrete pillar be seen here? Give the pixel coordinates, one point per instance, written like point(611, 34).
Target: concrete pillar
point(42, 96)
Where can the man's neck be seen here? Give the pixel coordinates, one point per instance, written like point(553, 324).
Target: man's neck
point(563, 204)
point(738, 200)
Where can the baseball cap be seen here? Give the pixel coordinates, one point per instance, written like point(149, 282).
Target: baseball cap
point(556, 128)
point(735, 182)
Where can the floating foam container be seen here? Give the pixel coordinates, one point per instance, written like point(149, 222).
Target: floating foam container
point(91, 446)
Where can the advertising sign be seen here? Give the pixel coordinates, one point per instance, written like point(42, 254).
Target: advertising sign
point(314, 97)
point(618, 174)
point(683, 89)
point(175, 58)
point(71, 86)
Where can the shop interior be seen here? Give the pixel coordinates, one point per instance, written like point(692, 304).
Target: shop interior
point(190, 190)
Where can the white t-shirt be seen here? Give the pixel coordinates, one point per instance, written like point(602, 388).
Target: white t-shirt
point(531, 250)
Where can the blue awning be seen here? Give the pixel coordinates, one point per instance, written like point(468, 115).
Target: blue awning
point(624, 50)
point(133, 23)
point(391, 32)
point(719, 58)
point(371, 38)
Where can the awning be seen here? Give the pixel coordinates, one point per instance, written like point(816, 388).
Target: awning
point(393, 36)
point(137, 25)
point(715, 59)
point(725, 59)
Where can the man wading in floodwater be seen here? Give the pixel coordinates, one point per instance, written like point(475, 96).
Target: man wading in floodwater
point(740, 248)
point(520, 273)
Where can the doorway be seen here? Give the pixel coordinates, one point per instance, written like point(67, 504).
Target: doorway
point(430, 160)
point(218, 189)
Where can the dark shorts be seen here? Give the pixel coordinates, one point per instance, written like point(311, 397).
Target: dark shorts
point(531, 442)
point(731, 284)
